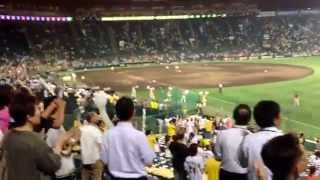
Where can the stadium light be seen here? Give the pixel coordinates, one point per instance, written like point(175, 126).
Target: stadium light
point(35, 18)
point(164, 17)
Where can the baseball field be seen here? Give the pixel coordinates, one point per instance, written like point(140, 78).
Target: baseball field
point(244, 82)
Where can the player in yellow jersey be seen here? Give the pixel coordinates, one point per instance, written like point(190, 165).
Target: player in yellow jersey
point(152, 139)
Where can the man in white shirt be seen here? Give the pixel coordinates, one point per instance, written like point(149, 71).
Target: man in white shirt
point(229, 143)
point(90, 142)
point(268, 117)
point(125, 150)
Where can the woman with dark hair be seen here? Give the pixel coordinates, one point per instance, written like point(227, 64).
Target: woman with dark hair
point(6, 92)
point(194, 164)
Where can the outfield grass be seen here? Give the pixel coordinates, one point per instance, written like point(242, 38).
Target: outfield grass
point(303, 119)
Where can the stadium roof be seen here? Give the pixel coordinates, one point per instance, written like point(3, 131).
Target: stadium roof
point(71, 4)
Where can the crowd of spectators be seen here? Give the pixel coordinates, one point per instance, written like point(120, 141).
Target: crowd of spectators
point(92, 42)
point(71, 138)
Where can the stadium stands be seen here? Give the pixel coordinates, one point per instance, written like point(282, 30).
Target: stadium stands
point(94, 41)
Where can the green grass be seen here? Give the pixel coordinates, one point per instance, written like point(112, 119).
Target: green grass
point(303, 119)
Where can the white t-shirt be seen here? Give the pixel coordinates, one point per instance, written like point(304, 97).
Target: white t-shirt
point(196, 139)
point(190, 127)
point(314, 161)
point(67, 163)
point(206, 154)
point(90, 141)
point(202, 122)
point(67, 166)
point(53, 135)
point(194, 166)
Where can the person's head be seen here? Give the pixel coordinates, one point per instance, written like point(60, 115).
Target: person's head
point(193, 149)
point(191, 135)
point(301, 135)
point(208, 147)
point(148, 132)
point(47, 101)
point(6, 93)
point(124, 109)
point(312, 170)
point(317, 154)
point(23, 90)
point(24, 109)
point(242, 114)
point(284, 156)
point(178, 137)
point(93, 118)
point(267, 114)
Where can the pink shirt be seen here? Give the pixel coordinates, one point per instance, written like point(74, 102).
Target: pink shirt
point(4, 119)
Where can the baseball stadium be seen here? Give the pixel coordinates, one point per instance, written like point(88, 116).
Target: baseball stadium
point(160, 90)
